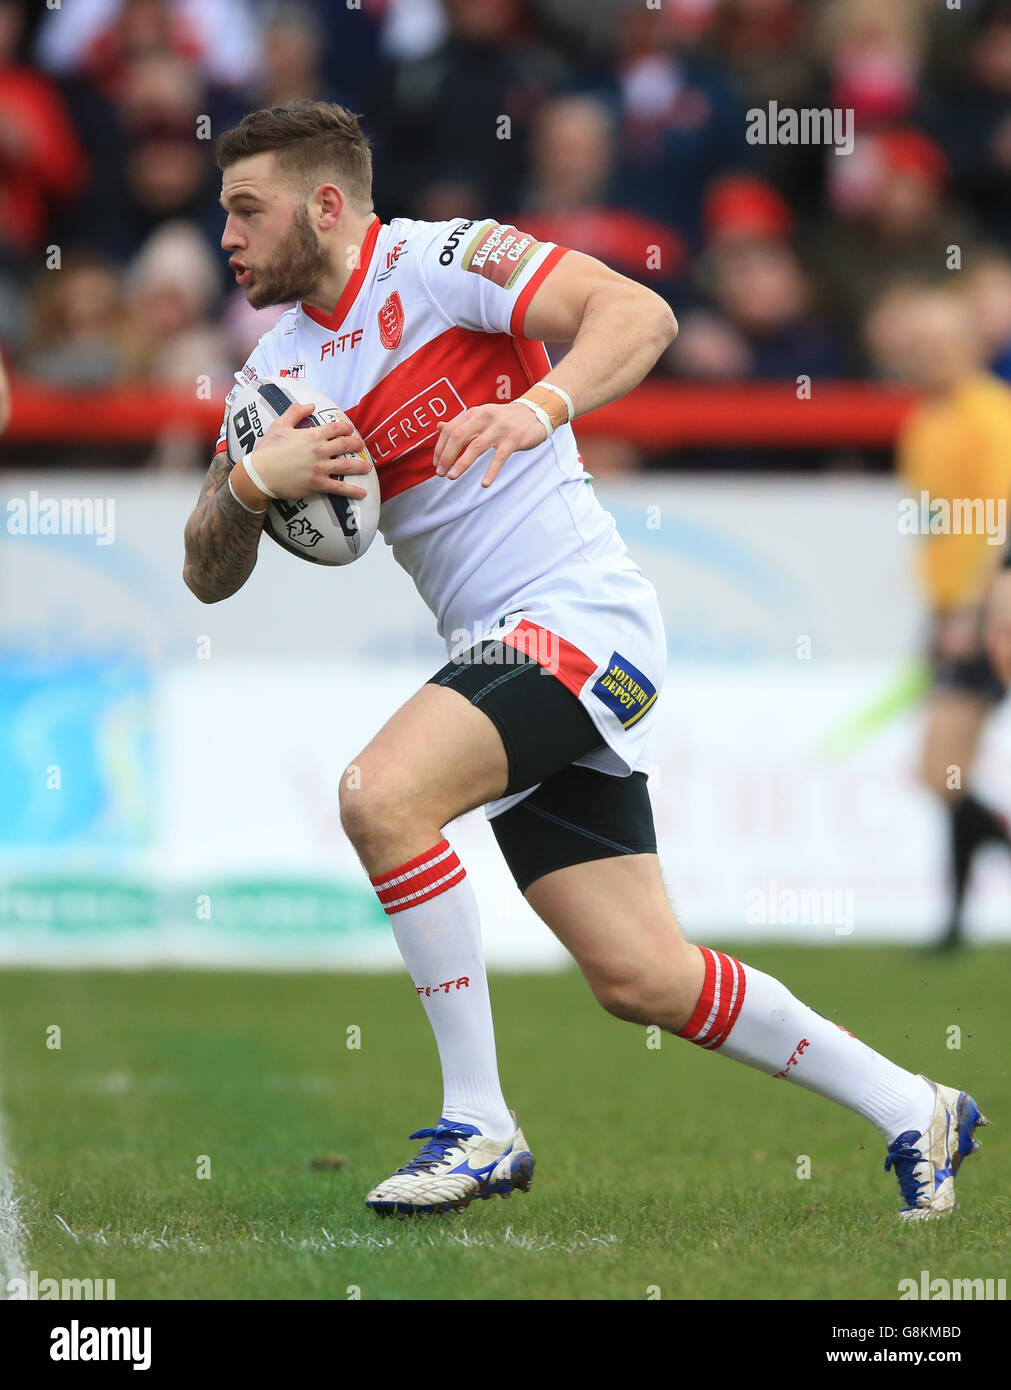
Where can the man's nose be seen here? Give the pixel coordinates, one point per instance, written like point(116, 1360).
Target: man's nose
point(230, 239)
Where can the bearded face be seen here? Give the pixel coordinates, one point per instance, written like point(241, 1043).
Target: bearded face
point(295, 268)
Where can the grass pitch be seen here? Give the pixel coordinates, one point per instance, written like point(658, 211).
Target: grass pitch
point(660, 1172)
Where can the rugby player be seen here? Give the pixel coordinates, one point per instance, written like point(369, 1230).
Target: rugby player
point(430, 336)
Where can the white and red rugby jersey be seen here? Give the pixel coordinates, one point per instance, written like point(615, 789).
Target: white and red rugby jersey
point(429, 324)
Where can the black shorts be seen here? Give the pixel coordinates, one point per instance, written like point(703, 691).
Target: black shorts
point(576, 814)
point(974, 674)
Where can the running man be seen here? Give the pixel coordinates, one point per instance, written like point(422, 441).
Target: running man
point(430, 336)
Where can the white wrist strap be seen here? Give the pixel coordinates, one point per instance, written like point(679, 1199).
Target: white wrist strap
point(247, 464)
point(564, 395)
point(253, 511)
point(541, 414)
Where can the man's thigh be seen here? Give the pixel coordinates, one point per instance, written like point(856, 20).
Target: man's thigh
point(486, 725)
point(438, 753)
point(542, 724)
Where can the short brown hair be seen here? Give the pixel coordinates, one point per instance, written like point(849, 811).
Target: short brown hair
point(315, 141)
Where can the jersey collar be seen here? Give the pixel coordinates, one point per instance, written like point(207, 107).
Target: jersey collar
point(350, 292)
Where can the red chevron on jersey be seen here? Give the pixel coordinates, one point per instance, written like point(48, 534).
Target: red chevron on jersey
point(413, 424)
point(719, 1003)
point(399, 417)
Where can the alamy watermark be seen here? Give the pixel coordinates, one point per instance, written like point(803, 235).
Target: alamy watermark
point(957, 1290)
point(77, 1343)
point(773, 906)
point(808, 125)
point(37, 1288)
point(517, 646)
point(954, 516)
point(62, 516)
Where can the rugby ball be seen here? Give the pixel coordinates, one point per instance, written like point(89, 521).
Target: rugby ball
point(322, 527)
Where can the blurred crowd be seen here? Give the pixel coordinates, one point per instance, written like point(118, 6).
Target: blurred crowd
point(627, 136)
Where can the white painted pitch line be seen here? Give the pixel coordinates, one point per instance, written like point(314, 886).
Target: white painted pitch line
point(13, 1233)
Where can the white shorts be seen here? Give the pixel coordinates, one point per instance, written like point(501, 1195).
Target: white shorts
point(600, 632)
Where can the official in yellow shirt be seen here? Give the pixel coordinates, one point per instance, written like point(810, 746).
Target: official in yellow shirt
point(954, 459)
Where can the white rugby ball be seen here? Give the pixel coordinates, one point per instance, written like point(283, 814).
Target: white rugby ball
point(322, 527)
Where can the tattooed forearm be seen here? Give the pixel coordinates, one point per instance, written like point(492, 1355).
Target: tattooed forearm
point(221, 538)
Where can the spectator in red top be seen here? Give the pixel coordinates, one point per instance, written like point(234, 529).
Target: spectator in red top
point(761, 321)
point(572, 166)
point(893, 219)
point(875, 55)
point(41, 159)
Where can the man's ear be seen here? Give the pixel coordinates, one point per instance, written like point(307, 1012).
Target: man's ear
point(331, 204)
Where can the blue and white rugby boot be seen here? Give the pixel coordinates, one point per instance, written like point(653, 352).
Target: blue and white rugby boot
point(455, 1166)
point(925, 1164)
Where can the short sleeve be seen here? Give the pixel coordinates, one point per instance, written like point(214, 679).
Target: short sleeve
point(259, 363)
point(482, 275)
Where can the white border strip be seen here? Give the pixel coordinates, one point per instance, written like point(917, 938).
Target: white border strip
point(12, 1228)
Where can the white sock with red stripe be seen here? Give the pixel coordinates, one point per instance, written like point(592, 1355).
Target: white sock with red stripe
point(752, 1018)
point(436, 925)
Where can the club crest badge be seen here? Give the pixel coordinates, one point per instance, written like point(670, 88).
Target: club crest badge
point(391, 321)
